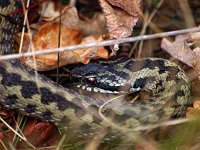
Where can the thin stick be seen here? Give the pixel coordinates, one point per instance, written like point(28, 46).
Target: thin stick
point(72, 3)
point(98, 44)
point(24, 23)
point(21, 136)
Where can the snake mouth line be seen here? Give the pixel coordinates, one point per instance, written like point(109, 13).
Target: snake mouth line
point(96, 89)
point(99, 90)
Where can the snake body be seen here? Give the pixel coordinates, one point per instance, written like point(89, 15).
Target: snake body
point(34, 95)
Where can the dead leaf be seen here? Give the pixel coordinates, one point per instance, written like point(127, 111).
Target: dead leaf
point(181, 49)
point(47, 38)
point(70, 18)
point(93, 52)
point(49, 11)
point(130, 6)
point(121, 16)
point(40, 133)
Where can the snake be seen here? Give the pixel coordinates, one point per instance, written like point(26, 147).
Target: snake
point(32, 94)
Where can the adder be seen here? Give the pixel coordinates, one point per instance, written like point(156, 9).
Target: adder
point(35, 95)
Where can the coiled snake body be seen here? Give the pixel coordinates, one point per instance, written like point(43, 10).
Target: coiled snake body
point(37, 96)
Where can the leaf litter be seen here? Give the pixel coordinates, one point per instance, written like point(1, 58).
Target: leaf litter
point(121, 17)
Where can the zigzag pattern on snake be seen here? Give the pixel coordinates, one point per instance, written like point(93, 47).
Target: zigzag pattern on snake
point(34, 95)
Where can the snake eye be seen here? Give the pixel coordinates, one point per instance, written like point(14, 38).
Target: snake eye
point(90, 80)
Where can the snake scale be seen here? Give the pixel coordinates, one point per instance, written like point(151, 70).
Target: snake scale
point(34, 95)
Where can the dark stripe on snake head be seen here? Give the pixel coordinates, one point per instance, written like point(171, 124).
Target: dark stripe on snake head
point(148, 63)
point(137, 65)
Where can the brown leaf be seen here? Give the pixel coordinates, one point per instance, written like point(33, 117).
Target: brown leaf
point(130, 6)
point(93, 52)
point(48, 35)
point(121, 16)
point(39, 133)
point(181, 49)
point(49, 11)
point(70, 18)
point(47, 38)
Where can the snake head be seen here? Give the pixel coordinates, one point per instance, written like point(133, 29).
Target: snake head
point(99, 77)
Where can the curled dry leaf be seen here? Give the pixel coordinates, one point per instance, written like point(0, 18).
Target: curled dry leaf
point(70, 18)
point(121, 16)
point(90, 53)
point(130, 6)
point(180, 49)
point(47, 38)
point(49, 11)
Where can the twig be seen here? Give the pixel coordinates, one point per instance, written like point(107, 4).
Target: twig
point(24, 23)
point(21, 136)
point(98, 44)
point(61, 142)
point(72, 3)
point(187, 13)
point(147, 20)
